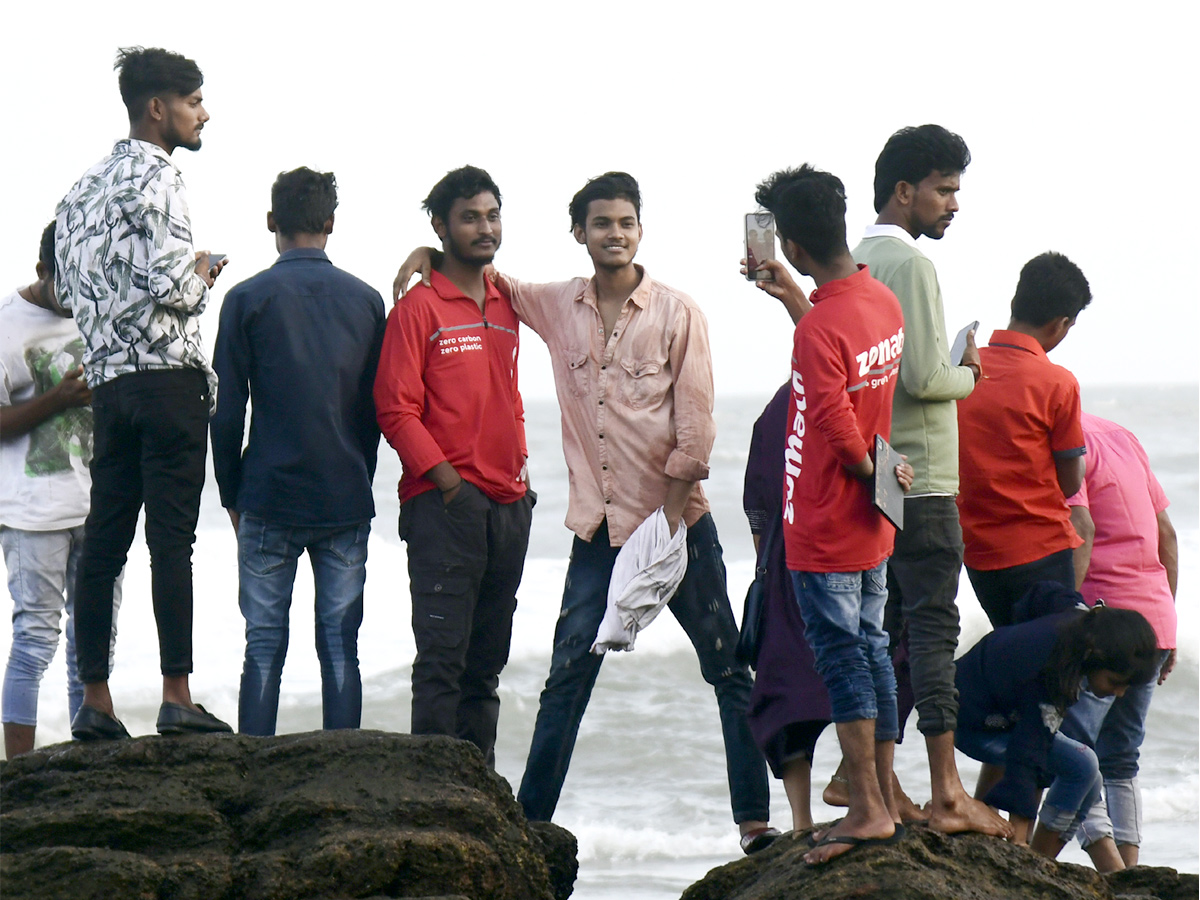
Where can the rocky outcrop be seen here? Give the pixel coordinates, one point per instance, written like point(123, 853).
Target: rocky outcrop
point(323, 815)
point(931, 866)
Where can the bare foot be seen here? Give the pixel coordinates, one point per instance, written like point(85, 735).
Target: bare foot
point(909, 811)
point(837, 792)
point(829, 847)
point(962, 813)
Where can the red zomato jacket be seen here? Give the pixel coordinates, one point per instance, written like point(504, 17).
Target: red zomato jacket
point(446, 389)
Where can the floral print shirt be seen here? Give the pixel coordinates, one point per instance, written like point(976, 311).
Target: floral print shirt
point(126, 268)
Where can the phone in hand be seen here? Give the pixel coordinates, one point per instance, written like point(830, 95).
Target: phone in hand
point(214, 259)
point(960, 343)
point(760, 244)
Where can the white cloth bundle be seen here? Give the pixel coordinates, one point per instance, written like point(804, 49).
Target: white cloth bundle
point(646, 574)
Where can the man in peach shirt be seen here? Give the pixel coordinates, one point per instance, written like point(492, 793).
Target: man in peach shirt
point(634, 380)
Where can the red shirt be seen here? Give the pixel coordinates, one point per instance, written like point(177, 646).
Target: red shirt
point(844, 368)
point(446, 389)
point(1021, 416)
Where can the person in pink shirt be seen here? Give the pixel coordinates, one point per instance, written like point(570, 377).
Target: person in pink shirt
point(1129, 559)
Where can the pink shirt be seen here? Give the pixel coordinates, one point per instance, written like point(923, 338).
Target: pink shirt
point(1124, 499)
point(637, 410)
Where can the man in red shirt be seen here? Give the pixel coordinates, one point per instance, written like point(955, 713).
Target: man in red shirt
point(446, 398)
point(844, 369)
point(1021, 447)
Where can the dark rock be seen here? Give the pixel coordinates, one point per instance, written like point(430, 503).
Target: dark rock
point(341, 814)
point(927, 865)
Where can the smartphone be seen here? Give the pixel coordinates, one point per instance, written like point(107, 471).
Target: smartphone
point(960, 343)
point(760, 244)
point(215, 259)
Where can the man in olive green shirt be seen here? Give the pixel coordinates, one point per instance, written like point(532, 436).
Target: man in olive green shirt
point(916, 182)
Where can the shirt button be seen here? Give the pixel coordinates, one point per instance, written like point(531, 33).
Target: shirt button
point(601, 402)
point(601, 437)
point(602, 368)
point(606, 500)
point(615, 333)
point(605, 468)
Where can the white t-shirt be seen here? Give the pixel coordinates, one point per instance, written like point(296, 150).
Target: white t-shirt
point(44, 478)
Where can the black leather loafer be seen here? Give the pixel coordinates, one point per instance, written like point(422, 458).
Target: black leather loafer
point(90, 724)
point(174, 718)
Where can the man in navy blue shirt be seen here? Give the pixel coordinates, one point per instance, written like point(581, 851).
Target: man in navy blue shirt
point(301, 341)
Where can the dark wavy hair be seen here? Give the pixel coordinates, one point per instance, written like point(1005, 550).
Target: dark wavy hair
point(912, 154)
point(458, 184)
point(609, 186)
point(1050, 286)
point(148, 72)
point(1119, 640)
point(809, 208)
point(302, 201)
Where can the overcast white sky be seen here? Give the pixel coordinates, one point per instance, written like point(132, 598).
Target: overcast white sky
point(1078, 120)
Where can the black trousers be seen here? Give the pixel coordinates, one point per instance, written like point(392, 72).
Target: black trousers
point(999, 590)
point(151, 439)
point(465, 560)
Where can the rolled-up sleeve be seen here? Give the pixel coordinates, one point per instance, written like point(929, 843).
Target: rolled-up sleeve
point(691, 366)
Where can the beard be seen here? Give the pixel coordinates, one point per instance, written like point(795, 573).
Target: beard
point(469, 255)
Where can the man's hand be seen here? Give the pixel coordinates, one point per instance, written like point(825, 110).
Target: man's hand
point(447, 479)
point(72, 390)
point(205, 268)
point(971, 358)
point(419, 261)
point(1168, 667)
point(783, 288)
point(905, 475)
point(234, 517)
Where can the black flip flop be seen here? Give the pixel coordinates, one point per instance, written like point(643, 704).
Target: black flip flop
point(855, 842)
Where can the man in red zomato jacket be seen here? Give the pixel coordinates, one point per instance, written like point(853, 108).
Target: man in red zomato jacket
point(446, 398)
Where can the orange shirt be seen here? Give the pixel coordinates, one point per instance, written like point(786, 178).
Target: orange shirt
point(1021, 416)
point(637, 409)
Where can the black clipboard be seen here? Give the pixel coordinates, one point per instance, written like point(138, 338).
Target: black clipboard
point(887, 493)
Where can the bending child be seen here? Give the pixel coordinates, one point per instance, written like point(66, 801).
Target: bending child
point(1016, 685)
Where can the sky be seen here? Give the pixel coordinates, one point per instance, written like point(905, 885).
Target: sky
point(1077, 120)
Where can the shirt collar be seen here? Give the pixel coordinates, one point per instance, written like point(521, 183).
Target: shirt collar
point(839, 285)
point(890, 231)
point(302, 253)
point(146, 148)
point(1002, 337)
point(448, 290)
point(640, 295)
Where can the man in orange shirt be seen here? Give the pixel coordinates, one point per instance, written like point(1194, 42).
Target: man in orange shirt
point(1021, 447)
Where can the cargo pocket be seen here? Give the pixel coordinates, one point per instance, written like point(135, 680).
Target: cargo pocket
point(439, 609)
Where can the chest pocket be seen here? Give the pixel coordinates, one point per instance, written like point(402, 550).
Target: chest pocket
point(644, 384)
point(578, 375)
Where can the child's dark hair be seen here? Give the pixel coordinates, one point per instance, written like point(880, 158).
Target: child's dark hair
point(809, 208)
point(1050, 286)
point(1119, 640)
point(46, 248)
point(609, 186)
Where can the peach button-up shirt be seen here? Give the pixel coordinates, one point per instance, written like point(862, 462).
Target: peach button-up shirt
point(637, 409)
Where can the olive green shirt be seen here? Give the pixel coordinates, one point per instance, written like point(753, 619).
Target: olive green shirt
point(924, 414)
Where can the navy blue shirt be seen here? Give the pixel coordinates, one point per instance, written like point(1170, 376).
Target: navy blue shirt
point(301, 342)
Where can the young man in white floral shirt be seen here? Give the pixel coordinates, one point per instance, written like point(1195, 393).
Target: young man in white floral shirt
point(129, 274)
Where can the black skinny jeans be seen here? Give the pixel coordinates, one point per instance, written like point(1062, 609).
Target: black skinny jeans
point(151, 439)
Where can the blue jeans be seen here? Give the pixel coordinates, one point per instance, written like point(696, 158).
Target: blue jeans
point(1076, 786)
point(1116, 727)
point(843, 621)
point(267, 556)
point(41, 578)
point(701, 605)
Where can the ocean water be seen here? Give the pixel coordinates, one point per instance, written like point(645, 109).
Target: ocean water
point(646, 793)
